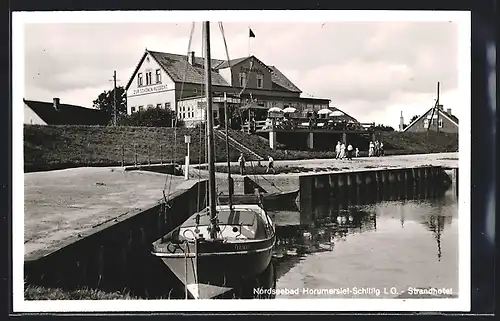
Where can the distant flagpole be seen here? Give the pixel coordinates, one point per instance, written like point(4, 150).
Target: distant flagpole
point(249, 31)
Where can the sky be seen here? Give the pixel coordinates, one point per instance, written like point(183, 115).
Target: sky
point(371, 70)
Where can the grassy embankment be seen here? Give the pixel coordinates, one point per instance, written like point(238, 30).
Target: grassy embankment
point(32, 292)
point(57, 147)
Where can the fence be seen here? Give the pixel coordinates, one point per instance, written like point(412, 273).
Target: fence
point(147, 154)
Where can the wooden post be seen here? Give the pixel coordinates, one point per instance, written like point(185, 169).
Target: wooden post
point(123, 155)
point(135, 154)
point(149, 154)
point(161, 155)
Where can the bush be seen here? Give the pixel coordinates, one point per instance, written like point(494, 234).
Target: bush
point(151, 117)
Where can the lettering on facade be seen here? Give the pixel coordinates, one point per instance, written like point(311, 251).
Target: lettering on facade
point(256, 70)
point(151, 89)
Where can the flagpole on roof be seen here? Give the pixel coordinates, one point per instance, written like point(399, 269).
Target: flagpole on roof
point(249, 33)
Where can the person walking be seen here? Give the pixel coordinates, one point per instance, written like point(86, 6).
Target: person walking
point(349, 152)
point(270, 165)
point(357, 152)
point(241, 161)
point(337, 150)
point(371, 148)
point(381, 149)
point(342, 151)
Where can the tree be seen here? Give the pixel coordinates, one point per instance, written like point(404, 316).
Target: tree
point(151, 117)
point(413, 118)
point(105, 102)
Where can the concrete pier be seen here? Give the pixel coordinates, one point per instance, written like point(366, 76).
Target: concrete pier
point(389, 184)
point(98, 245)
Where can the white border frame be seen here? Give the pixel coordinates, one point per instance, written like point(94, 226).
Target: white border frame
point(20, 305)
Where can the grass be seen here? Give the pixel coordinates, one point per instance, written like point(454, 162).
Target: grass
point(32, 292)
point(57, 147)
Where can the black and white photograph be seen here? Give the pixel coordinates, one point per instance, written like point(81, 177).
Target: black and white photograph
point(241, 160)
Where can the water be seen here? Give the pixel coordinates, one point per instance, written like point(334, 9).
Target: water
point(368, 251)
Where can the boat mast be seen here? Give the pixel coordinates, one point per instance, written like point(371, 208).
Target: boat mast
point(229, 182)
point(210, 132)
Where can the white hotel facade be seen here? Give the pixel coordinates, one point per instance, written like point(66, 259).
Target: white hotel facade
point(176, 82)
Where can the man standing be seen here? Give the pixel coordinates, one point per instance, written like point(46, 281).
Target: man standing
point(270, 165)
point(337, 150)
point(349, 152)
point(241, 161)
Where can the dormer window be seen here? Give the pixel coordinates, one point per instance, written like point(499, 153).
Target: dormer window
point(260, 81)
point(139, 80)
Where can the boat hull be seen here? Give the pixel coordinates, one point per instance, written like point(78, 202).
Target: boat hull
point(224, 270)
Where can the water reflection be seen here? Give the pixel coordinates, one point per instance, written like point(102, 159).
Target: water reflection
point(397, 233)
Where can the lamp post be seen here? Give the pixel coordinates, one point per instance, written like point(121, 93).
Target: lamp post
point(187, 140)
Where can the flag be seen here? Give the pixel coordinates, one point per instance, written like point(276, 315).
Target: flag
point(251, 34)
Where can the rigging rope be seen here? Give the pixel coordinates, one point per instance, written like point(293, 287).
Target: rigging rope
point(176, 114)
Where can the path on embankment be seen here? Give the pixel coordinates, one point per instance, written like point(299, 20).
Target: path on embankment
point(63, 204)
point(290, 181)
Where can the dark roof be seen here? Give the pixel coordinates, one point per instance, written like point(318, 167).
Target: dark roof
point(176, 66)
point(279, 79)
point(453, 118)
point(67, 114)
point(232, 62)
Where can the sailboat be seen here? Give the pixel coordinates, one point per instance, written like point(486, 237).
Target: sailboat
point(222, 246)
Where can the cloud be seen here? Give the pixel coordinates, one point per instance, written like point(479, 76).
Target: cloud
point(369, 69)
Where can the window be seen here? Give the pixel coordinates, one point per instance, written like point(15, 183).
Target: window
point(132, 109)
point(183, 108)
point(158, 76)
point(158, 105)
point(141, 108)
point(440, 123)
point(167, 105)
point(426, 123)
point(148, 77)
point(434, 120)
point(260, 81)
point(139, 79)
point(243, 79)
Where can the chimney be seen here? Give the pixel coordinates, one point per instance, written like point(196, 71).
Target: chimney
point(448, 110)
point(401, 122)
point(191, 57)
point(56, 103)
